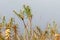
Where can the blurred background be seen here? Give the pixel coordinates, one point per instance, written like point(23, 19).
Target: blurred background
point(44, 11)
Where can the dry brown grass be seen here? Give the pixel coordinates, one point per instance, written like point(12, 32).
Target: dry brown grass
point(32, 34)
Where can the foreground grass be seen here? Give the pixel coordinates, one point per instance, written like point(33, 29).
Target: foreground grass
point(11, 32)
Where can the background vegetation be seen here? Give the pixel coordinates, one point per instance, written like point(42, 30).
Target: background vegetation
point(11, 32)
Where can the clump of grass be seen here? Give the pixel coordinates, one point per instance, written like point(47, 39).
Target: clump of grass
point(11, 32)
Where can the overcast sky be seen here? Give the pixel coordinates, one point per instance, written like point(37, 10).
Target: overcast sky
point(43, 11)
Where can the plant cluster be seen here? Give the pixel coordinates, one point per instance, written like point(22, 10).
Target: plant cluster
point(11, 32)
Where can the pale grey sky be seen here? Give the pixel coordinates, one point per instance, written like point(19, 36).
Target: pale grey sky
point(44, 11)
